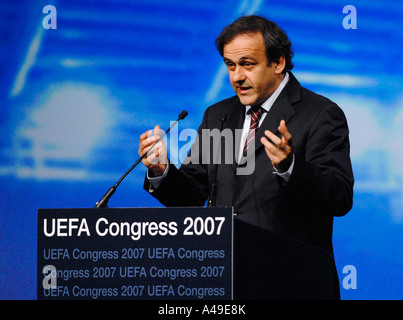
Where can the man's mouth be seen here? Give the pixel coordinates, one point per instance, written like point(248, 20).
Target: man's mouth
point(244, 90)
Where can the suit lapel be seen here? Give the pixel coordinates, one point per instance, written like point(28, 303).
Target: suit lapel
point(236, 116)
point(282, 109)
point(235, 120)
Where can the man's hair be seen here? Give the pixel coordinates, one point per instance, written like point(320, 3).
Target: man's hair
point(276, 41)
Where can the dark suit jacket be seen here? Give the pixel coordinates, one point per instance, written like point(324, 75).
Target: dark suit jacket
point(321, 184)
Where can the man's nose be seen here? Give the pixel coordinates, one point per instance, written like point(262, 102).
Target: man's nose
point(238, 75)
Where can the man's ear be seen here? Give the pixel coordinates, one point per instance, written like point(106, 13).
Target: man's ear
point(279, 65)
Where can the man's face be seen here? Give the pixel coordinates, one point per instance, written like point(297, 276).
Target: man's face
point(252, 79)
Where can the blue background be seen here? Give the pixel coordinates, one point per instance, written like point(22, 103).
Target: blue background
point(74, 100)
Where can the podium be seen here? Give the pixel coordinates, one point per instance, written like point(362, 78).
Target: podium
point(173, 254)
point(272, 266)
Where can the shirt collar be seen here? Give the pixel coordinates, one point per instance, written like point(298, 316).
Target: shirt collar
point(269, 102)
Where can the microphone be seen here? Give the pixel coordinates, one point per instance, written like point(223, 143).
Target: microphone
point(104, 200)
point(212, 196)
point(181, 116)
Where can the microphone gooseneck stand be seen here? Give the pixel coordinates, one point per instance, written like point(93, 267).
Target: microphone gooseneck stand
point(104, 200)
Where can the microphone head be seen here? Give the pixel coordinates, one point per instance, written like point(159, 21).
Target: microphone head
point(183, 115)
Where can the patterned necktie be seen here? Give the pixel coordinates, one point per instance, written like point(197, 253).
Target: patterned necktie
point(255, 112)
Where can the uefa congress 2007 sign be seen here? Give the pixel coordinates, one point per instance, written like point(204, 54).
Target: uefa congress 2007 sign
point(165, 253)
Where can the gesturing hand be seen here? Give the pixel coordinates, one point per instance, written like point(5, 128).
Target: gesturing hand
point(279, 150)
point(156, 158)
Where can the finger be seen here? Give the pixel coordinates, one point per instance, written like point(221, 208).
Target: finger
point(145, 134)
point(270, 147)
point(157, 131)
point(157, 149)
point(148, 142)
point(143, 141)
point(151, 152)
point(152, 158)
point(279, 144)
point(157, 155)
point(275, 154)
point(143, 137)
point(286, 135)
point(272, 138)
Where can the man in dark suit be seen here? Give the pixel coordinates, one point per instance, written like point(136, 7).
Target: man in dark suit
point(296, 140)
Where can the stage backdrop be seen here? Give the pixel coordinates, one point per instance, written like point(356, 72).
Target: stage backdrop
point(81, 80)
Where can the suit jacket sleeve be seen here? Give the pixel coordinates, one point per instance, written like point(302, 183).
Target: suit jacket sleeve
point(322, 174)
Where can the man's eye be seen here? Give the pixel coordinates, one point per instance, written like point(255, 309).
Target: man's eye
point(230, 66)
point(248, 64)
